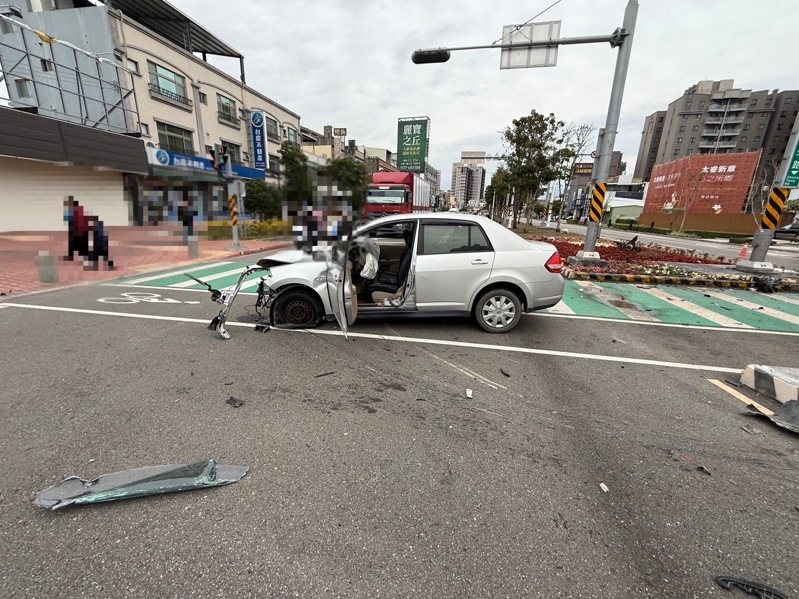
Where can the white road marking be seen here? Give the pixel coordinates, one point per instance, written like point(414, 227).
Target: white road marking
point(785, 298)
point(693, 327)
point(560, 308)
point(173, 272)
point(591, 288)
point(745, 304)
point(220, 275)
point(420, 340)
point(688, 306)
point(163, 288)
point(4, 306)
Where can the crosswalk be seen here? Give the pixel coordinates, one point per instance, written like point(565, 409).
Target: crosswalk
point(699, 306)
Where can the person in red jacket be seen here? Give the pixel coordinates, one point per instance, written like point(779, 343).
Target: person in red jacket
point(78, 229)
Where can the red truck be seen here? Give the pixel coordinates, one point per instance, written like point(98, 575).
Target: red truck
point(396, 192)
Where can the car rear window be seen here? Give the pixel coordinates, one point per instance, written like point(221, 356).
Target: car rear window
point(453, 238)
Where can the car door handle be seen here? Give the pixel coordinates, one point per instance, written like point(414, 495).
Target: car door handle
point(479, 261)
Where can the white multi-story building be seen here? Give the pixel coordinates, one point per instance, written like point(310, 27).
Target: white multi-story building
point(468, 179)
point(151, 81)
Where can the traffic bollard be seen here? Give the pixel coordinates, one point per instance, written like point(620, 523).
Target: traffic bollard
point(194, 248)
point(46, 265)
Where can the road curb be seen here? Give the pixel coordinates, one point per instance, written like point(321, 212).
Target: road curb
point(781, 384)
point(579, 275)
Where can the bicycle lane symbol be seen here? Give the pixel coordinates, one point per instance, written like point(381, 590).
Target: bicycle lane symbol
point(134, 297)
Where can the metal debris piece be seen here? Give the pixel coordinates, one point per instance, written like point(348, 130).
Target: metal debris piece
point(750, 588)
point(604, 487)
point(502, 370)
point(786, 416)
point(703, 469)
point(319, 376)
point(236, 403)
point(138, 482)
point(751, 430)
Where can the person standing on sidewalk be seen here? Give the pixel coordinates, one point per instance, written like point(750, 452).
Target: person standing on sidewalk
point(69, 218)
point(186, 215)
point(78, 225)
point(99, 245)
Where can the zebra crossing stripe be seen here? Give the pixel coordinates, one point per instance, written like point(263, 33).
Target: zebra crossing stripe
point(600, 293)
point(560, 308)
point(172, 273)
point(660, 309)
point(752, 306)
point(684, 304)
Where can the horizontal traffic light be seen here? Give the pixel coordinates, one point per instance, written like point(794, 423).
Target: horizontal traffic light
point(429, 56)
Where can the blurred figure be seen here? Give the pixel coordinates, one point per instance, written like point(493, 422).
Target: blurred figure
point(77, 228)
point(100, 245)
point(186, 216)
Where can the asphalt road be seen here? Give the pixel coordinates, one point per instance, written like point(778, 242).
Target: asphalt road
point(784, 254)
point(372, 474)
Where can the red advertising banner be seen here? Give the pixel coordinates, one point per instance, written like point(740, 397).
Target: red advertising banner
point(702, 184)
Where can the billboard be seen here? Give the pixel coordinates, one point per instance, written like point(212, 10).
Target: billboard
point(412, 142)
point(259, 152)
point(702, 184)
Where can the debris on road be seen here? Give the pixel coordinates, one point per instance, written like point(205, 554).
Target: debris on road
point(228, 383)
point(751, 430)
point(786, 416)
point(139, 482)
point(468, 393)
point(604, 487)
point(502, 370)
point(236, 403)
point(750, 588)
point(319, 376)
point(703, 469)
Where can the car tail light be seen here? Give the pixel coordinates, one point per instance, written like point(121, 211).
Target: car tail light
point(554, 264)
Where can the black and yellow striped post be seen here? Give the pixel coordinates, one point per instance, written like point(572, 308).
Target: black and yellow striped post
point(597, 202)
point(233, 209)
point(774, 207)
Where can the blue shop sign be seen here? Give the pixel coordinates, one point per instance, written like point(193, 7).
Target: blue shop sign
point(163, 157)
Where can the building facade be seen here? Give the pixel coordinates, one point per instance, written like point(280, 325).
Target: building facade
point(468, 179)
point(714, 117)
point(154, 83)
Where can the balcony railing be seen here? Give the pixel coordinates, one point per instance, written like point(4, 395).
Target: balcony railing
point(154, 89)
point(720, 132)
point(726, 107)
point(228, 118)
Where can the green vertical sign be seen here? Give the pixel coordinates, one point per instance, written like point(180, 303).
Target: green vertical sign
point(412, 145)
point(792, 174)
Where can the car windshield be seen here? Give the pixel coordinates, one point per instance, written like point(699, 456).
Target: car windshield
point(385, 196)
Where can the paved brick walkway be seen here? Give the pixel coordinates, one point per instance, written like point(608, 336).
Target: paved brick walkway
point(134, 250)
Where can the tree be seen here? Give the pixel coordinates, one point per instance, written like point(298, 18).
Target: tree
point(576, 138)
point(263, 200)
point(297, 182)
point(534, 152)
point(350, 174)
point(500, 193)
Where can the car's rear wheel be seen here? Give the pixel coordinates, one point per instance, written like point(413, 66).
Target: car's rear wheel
point(498, 310)
point(297, 308)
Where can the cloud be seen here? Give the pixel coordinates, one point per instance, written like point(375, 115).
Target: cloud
point(347, 62)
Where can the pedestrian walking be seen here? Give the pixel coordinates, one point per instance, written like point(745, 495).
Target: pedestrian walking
point(186, 215)
point(69, 218)
point(80, 223)
point(100, 245)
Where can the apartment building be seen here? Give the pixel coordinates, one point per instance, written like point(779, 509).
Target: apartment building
point(149, 79)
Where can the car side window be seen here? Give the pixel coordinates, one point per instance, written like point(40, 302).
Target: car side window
point(390, 231)
point(453, 238)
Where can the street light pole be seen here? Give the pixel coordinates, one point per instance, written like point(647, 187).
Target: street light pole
point(612, 122)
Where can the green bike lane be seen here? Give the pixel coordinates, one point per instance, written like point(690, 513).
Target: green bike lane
point(693, 306)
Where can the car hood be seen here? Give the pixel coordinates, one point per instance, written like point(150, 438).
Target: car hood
point(285, 257)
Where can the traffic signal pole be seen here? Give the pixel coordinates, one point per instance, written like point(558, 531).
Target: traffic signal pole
point(606, 141)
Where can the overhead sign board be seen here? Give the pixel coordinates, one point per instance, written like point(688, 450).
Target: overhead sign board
point(412, 145)
point(792, 174)
point(526, 58)
point(185, 162)
point(340, 132)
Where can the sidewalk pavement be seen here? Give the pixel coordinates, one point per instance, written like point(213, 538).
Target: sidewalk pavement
point(134, 250)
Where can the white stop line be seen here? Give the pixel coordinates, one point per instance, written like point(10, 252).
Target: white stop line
point(134, 297)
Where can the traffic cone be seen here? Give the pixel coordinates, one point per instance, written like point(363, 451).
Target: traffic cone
point(744, 253)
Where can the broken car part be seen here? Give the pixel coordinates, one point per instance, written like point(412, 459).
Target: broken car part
point(138, 482)
point(751, 588)
point(786, 416)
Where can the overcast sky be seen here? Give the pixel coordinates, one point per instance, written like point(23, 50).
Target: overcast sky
point(347, 63)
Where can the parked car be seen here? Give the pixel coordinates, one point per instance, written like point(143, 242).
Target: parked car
point(789, 232)
point(429, 263)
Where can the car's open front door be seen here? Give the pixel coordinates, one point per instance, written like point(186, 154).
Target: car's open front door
point(340, 290)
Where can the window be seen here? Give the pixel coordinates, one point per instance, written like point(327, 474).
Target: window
point(743, 138)
point(761, 126)
point(271, 128)
point(676, 152)
point(753, 103)
point(697, 116)
point(175, 139)
point(133, 66)
point(226, 109)
point(749, 116)
point(47, 65)
point(788, 100)
point(685, 117)
point(783, 114)
point(779, 126)
point(234, 151)
point(746, 127)
point(679, 140)
point(274, 165)
point(695, 128)
point(701, 104)
point(692, 141)
point(772, 151)
point(660, 119)
point(203, 98)
point(24, 88)
point(688, 152)
point(291, 134)
point(764, 116)
point(682, 128)
point(145, 129)
point(167, 83)
point(452, 238)
point(757, 139)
